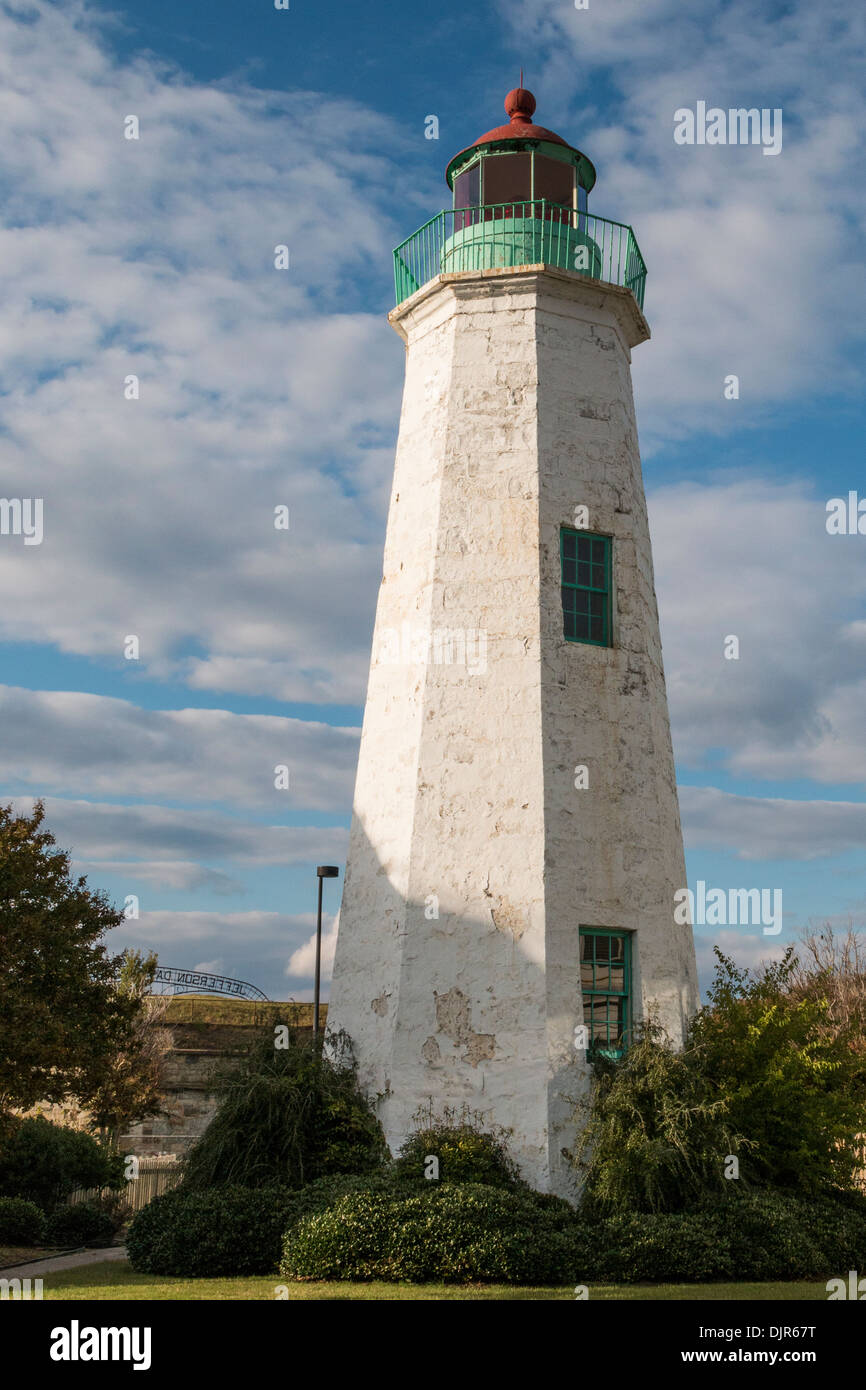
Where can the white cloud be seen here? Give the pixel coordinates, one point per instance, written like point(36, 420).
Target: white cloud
point(209, 967)
point(752, 559)
point(104, 831)
point(257, 387)
point(757, 827)
point(302, 962)
point(61, 741)
point(754, 262)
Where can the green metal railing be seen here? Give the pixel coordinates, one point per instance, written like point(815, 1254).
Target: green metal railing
point(514, 234)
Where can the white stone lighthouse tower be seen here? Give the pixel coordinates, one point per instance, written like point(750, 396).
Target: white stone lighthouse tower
point(508, 907)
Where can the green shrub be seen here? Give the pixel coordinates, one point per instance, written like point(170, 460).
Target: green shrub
point(452, 1233)
point(43, 1162)
point(231, 1230)
point(21, 1222)
point(653, 1138)
point(465, 1154)
point(666, 1247)
point(85, 1223)
point(287, 1116)
point(324, 1192)
point(226, 1231)
point(769, 1073)
point(791, 1080)
point(776, 1235)
point(756, 1235)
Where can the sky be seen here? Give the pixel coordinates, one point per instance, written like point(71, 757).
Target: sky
point(261, 388)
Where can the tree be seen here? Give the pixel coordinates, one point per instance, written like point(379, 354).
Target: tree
point(287, 1115)
point(62, 1018)
point(131, 1086)
point(43, 1162)
point(791, 1075)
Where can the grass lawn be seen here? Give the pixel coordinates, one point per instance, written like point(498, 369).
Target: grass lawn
point(118, 1281)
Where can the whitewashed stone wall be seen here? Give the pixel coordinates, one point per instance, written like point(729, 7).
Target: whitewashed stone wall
point(517, 408)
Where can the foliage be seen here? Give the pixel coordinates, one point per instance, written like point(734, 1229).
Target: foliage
point(834, 969)
point(654, 1137)
point(790, 1083)
point(466, 1153)
point(21, 1222)
point(748, 1235)
point(369, 1228)
point(773, 1073)
point(85, 1223)
point(228, 1230)
point(634, 1247)
point(451, 1232)
point(61, 1017)
point(44, 1162)
point(287, 1115)
point(131, 1084)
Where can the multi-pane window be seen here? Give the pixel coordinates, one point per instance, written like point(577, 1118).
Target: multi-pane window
point(605, 982)
point(585, 562)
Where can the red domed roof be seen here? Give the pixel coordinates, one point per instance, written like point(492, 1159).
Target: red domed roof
point(520, 106)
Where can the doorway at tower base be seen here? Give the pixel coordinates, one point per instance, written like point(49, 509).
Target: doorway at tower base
point(512, 241)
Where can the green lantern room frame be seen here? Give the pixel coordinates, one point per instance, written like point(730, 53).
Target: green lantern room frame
point(520, 200)
point(521, 171)
point(605, 982)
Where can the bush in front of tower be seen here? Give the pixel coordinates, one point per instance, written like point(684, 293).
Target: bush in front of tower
point(225, 1231)
point(768, 1094)
point(467, 1233)
point(288, 1115)
point(450, 1233)
point(230, 1230)
point(758, 1235)
point(653, 1135)
point(453, 1149)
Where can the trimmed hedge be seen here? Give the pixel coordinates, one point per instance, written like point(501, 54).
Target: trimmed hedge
point(757, 1235)
point(362, 1228)
point(228, 1230)
point(21, 1222)
point(465, 1154)
point(86, 1223)
point(771, 1232)
point(452, 1233)
point(472, 1233)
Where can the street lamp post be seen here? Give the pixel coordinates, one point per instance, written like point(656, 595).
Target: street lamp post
point(323, 871)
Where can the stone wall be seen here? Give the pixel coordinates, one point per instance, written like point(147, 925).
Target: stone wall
point(207, 1033)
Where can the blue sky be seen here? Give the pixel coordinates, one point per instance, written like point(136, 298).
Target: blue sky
point(261, 388)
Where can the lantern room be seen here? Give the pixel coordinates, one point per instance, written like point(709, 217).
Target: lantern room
point(519, 163)
point(519, 198)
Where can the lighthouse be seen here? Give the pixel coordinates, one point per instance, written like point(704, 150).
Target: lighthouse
point(508, 910)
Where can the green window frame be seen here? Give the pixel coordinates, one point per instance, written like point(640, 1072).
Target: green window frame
point(585, 567)
point(605, 982)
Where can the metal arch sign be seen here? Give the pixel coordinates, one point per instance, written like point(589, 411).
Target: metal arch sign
point(196, 982)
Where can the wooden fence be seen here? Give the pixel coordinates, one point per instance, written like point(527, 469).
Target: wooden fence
point(155, 1176)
